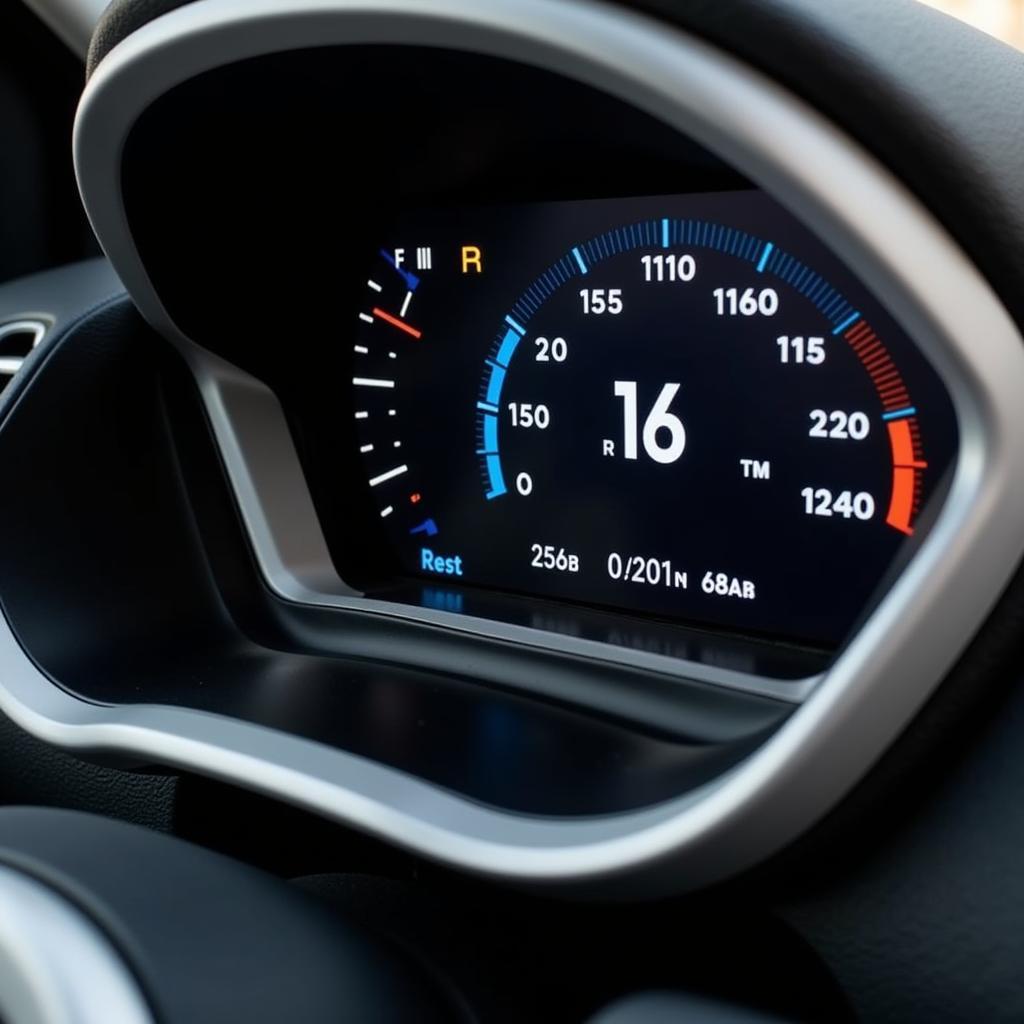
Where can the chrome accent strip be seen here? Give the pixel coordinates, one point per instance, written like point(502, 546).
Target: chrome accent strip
point(888, 669)
point(56, 966)
point(10, 365)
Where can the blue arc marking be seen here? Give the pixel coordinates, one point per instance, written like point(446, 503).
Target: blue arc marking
point(491, 435)
point(494, 385)
point(508, 348)
point(900, 414)
point(848, 322)
point(759, 255)
point(411, 280)
point(497, 477)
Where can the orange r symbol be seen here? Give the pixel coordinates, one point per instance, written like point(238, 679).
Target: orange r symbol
point(472, 257)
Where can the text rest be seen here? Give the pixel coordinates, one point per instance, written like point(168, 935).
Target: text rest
point(441, 565)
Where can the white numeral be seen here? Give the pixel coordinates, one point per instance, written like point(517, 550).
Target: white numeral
point(669, 268)
point(546, 556)
point(525, 414)
point(601, 300)
point(801, 350)
point(732, 302)
point(819, 501)
point(556, 349)
point(658, 419)
point(840, 426)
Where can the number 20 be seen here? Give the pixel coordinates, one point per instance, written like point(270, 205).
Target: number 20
point(556, 350)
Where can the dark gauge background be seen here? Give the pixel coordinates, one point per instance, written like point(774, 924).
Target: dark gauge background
point(268, 226)
point(812, 575)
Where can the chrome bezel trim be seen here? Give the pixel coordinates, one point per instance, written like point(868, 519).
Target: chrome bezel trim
point(56, 966)
point(10, 365)
point(886, 671)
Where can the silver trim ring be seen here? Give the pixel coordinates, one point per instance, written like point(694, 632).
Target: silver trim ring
point(886, 236)
point(56, 966)
point(10, 365)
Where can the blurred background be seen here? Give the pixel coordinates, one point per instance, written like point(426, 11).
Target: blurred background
point(1001, 18)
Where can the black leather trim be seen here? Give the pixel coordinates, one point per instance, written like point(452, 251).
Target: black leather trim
point(120, 19)
point(211, 940)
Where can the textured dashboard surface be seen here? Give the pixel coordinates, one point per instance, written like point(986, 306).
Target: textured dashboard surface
point(926, 922)
point(33, 772)
point(121, 19)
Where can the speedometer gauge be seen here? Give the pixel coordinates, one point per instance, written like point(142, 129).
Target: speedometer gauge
point(683, 407)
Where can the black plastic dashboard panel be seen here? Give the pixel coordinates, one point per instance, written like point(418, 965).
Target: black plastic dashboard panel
point(855, 709)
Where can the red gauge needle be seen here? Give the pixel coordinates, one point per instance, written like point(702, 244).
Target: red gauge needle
point(400, 324)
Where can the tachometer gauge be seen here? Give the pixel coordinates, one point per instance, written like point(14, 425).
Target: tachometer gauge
point(679, 406)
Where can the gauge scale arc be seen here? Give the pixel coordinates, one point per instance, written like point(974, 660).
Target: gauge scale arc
point(683, 407)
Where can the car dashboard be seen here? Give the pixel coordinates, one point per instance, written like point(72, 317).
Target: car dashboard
point(551, 438)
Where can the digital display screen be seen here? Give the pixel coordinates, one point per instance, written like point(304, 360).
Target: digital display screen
point(684, 407)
